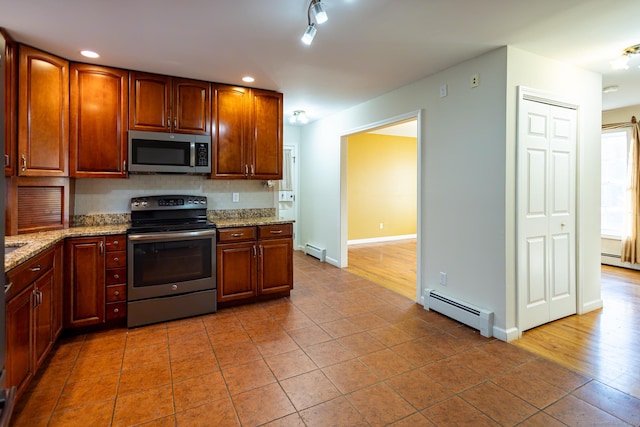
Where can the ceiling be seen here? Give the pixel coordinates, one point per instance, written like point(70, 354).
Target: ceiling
point(367, 48)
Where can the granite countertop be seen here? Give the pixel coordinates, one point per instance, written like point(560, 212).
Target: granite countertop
point(32, 244)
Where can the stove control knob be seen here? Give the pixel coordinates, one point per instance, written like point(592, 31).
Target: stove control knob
point(144, 203)
point(174, 287)
point(136, 203)
point(190, 201)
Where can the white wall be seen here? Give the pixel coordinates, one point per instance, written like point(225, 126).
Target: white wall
point(468, 199)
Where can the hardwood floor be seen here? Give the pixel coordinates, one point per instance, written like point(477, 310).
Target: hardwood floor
point(390, 264)
point(604, 344)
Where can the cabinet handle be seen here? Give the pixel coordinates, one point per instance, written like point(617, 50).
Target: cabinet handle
point(168, 123)
point(253, 171)
point(24, 163)
point(36, 268)
point(7, 287)
point(116, 276)
point(116, 293)
point(261, 251)
point(124, 166)
point(40, 297)
point(276, 232)
point(246, 170)
point(175, 123)
point(237, 234)
point(254, 251)
point(6, 160)
point(101, 244)
point(116, 310)
point(35, 298)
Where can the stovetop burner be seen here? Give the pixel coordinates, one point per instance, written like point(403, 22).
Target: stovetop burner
point(168, 213)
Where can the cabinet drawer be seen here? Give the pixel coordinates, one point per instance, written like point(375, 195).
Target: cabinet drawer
point(116, 243)
point(239, 234)
point(117, 259)
point(24, 274)
point(275, 231)
point(116, 276)
point(116, 310)
point(116, 293)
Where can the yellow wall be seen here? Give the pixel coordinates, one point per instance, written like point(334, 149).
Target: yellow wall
point(381, 186)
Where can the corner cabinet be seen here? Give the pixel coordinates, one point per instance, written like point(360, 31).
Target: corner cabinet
point(43, 114)
point(98, 134)
point(254, 263)
point(169, 104)
point(33, 315)
point(247, 133)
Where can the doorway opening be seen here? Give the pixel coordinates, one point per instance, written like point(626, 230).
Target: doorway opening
point(380, 199)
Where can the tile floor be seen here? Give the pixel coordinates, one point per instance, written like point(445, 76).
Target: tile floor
point(341, 351)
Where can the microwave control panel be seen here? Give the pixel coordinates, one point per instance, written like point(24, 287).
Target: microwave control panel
point(202, 154)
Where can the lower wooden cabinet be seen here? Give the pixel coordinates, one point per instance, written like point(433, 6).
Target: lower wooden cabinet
point(33, 315)
point(253, 262)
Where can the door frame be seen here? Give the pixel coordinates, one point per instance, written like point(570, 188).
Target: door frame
point(535, 95)
point(416, 115)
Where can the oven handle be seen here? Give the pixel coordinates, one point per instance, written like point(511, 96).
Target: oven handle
point(171, 235)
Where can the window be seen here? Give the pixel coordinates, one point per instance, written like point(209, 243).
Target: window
point(615, 149)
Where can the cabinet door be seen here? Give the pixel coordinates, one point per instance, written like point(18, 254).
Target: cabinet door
point(236, 271)
point(10, 103)
point(43, 104)
point(44, 289)
point(57, 298)
point(230, 132)
point(266, 135)
point(85, 282)
point(275, 265)
point(150, 102)
point(98, 135)
point(191, 106)
point(20, 363)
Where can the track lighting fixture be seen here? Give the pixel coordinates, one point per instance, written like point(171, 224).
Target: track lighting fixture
point(299, 117)
point(622, 63)
point(320, 16)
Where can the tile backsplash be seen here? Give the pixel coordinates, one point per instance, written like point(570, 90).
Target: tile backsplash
point(97, 196)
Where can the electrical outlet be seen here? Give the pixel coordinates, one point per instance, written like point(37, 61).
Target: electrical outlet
point(443, 278)
point(475, 80)
point(236, 197)
point(443, 91)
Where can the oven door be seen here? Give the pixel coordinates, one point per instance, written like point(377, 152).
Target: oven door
point(170, 263)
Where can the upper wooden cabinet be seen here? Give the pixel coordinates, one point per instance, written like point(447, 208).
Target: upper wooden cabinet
point(98, 134)
point(247, 133)
point(167, 104)
point(43, 114)
point(10, 70)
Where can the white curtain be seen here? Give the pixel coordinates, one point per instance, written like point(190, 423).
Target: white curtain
point(287, 162)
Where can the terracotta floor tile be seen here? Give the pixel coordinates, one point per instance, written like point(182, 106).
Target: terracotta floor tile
point(262, 405)
point(499, 404)
point(368, 321)
point(508, 352)
point(611, 400)
point(328, 353)
point(541, 419)
point(419, 389)
point(86, 392)
point(188, 345)
point(202, 416)
point(390, 335)
point(456, 412)
point(30, 420)
point(532, 389)
point(103, 344)
point(416, 327)
point(198, 390)
point(144, 377)
point(453, 375)
point(380, 405)
point(417, 352)
point(483, 363)
point(65, 353)
point(309, 389)
point(236, 354)
point(264, 327)
point(576, 412)
point(337, 412)
point(52, 376)
point(555, 374)
point(36, 404)
point(246, 377)
point(341, 328)
point(290, 364)
point(147, 335)
point(311, 335)
point(385, 363)
point(278, 343)
point(415, 420)
point(137, 356)
point(97, 366)
point(447, 344)
point(350, 375)
point(98, 414)
point(292, 420)
point(251, 313)
point(232, 336)
point(143, 406)
point(179, 330)
point(361, 344)
point(193, 365)
point(293, 321)
point(221, 321)
point(168, 421)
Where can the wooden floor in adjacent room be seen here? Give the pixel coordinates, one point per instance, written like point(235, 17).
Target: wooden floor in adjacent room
point(390, 264)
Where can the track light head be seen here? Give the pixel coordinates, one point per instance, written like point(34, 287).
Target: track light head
point(319, 12)
point(309, 34)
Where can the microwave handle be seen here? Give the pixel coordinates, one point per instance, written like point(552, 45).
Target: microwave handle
point(193, 155)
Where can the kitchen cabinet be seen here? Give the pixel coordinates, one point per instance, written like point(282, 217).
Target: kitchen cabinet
point(84, 281)
point(116, 277)
point(254, 262)
point(169, 104)
point(247, 133)
point(33, 315)
point(98, 111)
point(10, 102)
point(43, 114)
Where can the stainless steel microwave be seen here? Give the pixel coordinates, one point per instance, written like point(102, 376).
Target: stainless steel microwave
point(160, 152)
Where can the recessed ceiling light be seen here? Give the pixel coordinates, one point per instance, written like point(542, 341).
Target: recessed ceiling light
point(248, 79)
point(89, 54)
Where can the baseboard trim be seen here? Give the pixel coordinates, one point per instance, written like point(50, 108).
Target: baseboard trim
point(506, 335)
point(381, 239)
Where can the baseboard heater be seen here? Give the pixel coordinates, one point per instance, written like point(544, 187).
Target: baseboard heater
point(315, 251)
point(463, 312)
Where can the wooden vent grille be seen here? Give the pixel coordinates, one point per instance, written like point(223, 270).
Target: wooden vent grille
point(40, 207)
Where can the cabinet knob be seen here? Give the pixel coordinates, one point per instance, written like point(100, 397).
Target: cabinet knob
point(115, 243)
point(116, 259)
point(237, 234)
point(116, 293)
point(116, 310)
point(116, 276)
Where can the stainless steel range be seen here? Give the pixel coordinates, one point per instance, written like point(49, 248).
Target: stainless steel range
point(171, 250)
